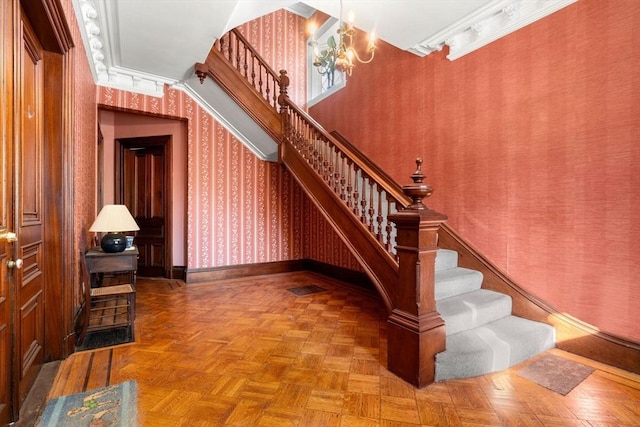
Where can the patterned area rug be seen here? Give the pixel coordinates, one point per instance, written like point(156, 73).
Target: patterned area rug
point(109, 406)
point(556, 373)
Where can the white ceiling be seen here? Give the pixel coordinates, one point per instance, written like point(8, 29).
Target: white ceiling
point(141, 45)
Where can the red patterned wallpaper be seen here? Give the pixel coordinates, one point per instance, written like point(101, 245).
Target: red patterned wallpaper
point(240, 209)
point(532, 144)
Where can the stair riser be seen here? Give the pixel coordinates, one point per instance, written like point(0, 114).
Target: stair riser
point(457, 281)
point(446, 259)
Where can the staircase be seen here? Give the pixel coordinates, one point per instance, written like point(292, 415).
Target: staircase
point(442, 324)
point(482, 334)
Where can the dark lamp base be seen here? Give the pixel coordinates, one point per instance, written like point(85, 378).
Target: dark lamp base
point(113, 242)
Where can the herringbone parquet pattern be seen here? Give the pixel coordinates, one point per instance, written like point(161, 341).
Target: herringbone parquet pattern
point(251, 353)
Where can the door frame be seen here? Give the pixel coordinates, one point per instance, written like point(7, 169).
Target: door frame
point(165, 141)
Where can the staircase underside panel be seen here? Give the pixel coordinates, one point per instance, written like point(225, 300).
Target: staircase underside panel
point(233, 117)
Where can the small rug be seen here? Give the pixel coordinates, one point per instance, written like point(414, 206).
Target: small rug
point(306, 290)
point(556, 373)
point(109, 406)
point(106, 338)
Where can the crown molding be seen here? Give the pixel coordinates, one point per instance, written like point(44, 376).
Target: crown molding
point(92, 23)
point(495, 20)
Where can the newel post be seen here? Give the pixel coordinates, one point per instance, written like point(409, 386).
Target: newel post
point(416, 330)
point(284, 109)
point(284, 112)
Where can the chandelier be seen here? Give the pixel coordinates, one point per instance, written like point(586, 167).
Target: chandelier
point(341, 54)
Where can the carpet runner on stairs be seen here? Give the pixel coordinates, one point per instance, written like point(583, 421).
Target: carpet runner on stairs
point(482, 334)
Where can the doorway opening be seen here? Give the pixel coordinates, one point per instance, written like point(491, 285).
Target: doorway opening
point(143, 185)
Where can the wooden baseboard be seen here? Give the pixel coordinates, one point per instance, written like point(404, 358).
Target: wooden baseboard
point(342, 274)
point(237, 271)
point(177, 273)
point(572, 335)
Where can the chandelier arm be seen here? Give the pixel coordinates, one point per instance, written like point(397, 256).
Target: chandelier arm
point(355, 54)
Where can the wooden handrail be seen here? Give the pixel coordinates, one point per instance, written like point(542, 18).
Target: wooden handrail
point(248, 62)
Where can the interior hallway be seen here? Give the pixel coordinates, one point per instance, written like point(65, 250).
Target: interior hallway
point(250, 352)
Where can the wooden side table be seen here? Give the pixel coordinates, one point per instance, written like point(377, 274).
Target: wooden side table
point(100, 262)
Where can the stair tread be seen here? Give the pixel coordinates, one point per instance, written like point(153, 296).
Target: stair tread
point(493, 347)
point(456, 281)
point(473, 309)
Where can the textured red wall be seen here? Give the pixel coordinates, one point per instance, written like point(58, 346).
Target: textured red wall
point(84, 138)
point(532, 144)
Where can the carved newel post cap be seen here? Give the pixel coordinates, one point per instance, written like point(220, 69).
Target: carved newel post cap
point(284, 84)
point(417, 191)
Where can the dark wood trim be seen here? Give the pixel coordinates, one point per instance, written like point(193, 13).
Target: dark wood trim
point(50, 24)
point(54, 207)
point(243, 270)
point(177, 272)
point(572, 334)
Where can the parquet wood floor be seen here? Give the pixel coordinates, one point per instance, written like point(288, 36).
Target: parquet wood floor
point(251, 353)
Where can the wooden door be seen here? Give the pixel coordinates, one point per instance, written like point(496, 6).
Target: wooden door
point(29, 280)
point(33, 109)
point(145, 194)
point(6, 208)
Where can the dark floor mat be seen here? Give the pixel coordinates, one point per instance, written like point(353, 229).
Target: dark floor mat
point(105, 338)
point(306, 290)
point(556, 373)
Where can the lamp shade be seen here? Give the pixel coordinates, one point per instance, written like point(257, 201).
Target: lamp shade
point(113, 220)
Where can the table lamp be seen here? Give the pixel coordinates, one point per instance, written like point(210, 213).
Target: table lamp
point(114, 220)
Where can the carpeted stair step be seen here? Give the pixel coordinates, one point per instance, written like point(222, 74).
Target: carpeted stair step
point(456, 281)
point(446, 258)
point(492, 347)
point(473, 309)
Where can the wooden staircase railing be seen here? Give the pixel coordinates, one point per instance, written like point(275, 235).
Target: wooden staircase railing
point(247, 78)
point(386, 227)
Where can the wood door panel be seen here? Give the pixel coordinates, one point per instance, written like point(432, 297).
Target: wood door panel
point(145, 194)
point(29, 281)
point(31, 327)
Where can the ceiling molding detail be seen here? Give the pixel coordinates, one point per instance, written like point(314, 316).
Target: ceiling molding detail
point(301, 9)
point(495, 20)
point(92, 22)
